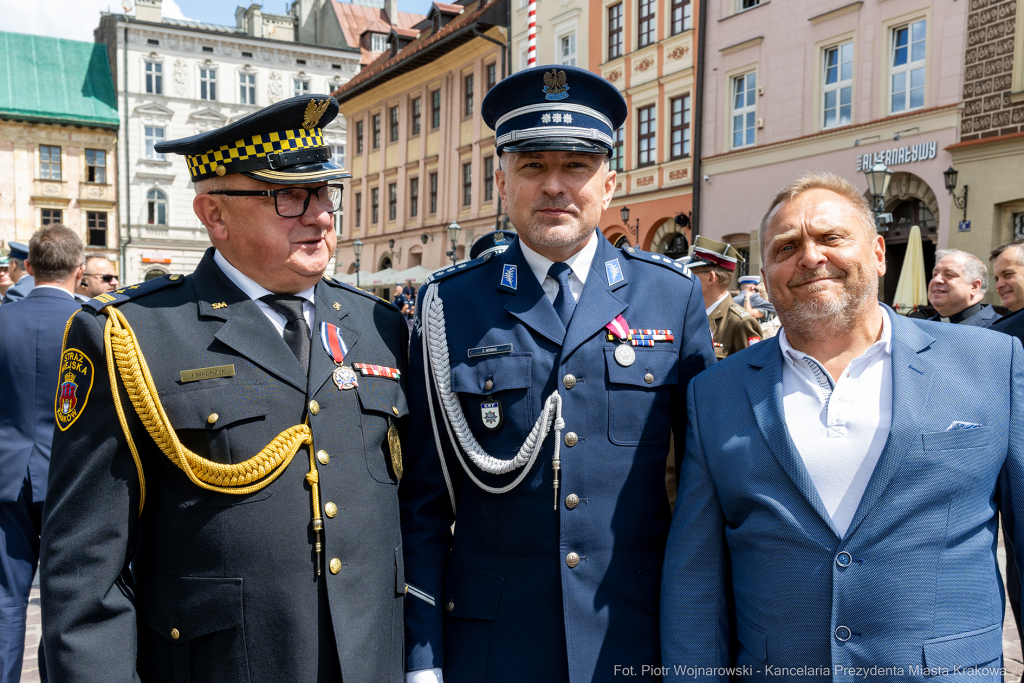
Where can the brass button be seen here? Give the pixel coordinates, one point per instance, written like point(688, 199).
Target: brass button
point(335, 565)
point(213, 418)
point(331, 510)
point(649, 378)
point(314, 407)
point(568, 381)
point(450, 606)
point(571, 501)
point(323, 457)
point(571, 439)
point(488, 385)
point(394, 409)
point(572, 559)
point(175, 634)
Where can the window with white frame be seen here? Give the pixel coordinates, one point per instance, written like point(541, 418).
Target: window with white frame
point(207, 83)
point(246, 88)
point(744, 92)
point(300, 86)
point(567, 50)
point(156, 207)
point(154, 78)
point(837, 85)
point(153, 135)
point(338, 155)
point(378, 42)
point(906, 66)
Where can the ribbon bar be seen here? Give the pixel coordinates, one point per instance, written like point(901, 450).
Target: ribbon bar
point(367, 369)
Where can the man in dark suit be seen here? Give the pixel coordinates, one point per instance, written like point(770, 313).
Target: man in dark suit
point(18, 272)
point(224, 492)
point(31, 330)
point(99, 277)
point(957, 289)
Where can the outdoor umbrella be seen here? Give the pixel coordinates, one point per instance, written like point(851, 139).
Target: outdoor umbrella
point(912, 289)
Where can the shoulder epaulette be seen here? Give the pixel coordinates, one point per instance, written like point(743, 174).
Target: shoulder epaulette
point(739, 310)
point(356, 290)
point(119, 296)
point(660, 259)
point(460, 268)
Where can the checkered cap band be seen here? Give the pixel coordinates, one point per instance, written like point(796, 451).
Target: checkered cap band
point(201, 166)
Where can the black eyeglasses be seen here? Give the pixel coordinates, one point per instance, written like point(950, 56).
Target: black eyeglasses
point(292, 202)
point(106, 278)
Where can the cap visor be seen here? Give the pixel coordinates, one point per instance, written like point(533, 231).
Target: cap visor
point(301, 174)
point(557, 145)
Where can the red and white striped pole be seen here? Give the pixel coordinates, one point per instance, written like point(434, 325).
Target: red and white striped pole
point(531, 35)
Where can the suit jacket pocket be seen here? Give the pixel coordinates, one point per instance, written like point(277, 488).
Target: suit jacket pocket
point(222, 420)
point(503, 379)
point(753, 639)
point(471, 593)
point(968, 649)
point(383, 401)
point(640, 414)
point(956, 439)
point(192, 630)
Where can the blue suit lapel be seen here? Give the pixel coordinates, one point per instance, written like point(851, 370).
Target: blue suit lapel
point(912, 375)
point(529, 303)
point(765, 393)
point(597, 306)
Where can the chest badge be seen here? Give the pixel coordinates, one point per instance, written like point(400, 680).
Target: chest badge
point(345, 377)
point(490, 414)
point(613, 271)
point(509, 277)
point(395, 448)
point(625, 355)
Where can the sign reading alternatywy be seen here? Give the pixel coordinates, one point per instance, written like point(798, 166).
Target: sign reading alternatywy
point(899, 155)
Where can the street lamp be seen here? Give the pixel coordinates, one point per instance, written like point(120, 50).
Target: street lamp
point(357, 248)
point(396, 255)
point(424, 237)
point(960, 202)
point(453, 234)
point(635, 229)
point(878, 177)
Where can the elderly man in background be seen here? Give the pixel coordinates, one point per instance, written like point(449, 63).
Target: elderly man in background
point(957, 288)
point(31, 331)
point(22, 279)
point(838, 501)
point(99, 277)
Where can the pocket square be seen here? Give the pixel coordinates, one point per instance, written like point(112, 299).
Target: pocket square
point(962, 425)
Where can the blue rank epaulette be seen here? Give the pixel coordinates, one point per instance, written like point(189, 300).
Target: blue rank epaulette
point(356, 290)
point(660, 259)
point(119, 296)
point(460, 268)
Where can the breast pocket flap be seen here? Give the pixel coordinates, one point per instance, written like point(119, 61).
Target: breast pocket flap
point(956, 439)
point(189, 606)
point(652, 368)
point(382, 395)
point(471, 593)
point(968, 649)
point(193, 407)
point(503, 372)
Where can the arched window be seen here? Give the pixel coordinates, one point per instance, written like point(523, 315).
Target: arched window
point(153, 273)
point(156, 202)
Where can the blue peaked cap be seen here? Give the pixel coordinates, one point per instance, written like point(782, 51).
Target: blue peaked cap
point(554, 108)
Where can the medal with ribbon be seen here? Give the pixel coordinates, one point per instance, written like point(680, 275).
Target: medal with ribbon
point(624, 353)
point(335, 346)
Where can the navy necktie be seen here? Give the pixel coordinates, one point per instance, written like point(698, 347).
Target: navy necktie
point(564, 302)
point(296, 331)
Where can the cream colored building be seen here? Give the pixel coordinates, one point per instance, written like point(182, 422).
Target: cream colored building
point(561, 33)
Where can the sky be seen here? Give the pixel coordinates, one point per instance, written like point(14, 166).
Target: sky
point(76, 19)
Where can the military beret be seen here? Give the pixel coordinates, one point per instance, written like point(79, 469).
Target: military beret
point(282, 143)
point(554, 108)
point(18, 250)
point(496, 241)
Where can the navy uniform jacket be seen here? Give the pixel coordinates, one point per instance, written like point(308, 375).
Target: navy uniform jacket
point(223, 587)
point(19, 290)
point(509, 606)
point(30, 334)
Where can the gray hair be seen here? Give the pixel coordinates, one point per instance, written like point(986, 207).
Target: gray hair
point(974, 267)
point(820, 180)
point(55, 252)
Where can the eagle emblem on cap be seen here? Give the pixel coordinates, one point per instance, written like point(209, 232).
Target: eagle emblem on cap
point(554, 85)
point(313, 113)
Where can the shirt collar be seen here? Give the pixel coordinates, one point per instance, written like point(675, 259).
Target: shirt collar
point(250, 287)
point(578, 262)
point(59, 289)
point(711, 309)
point(884, 343)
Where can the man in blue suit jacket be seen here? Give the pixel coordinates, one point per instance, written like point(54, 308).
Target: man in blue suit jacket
point(841, 513)
point(31, 334)
point(23, 280)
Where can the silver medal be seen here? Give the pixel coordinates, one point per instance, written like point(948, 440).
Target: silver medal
point(345, 378)
point(625, 355)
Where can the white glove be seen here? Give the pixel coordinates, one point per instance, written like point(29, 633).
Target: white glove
point(424, 676)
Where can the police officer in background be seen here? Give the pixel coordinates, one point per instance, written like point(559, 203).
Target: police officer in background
point(733, 328)
point(546, 418)
point(23, 281)
point(223, 493)
point(750, 300)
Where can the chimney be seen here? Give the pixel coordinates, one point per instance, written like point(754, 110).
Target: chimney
point(149, 10)
point(391, 7)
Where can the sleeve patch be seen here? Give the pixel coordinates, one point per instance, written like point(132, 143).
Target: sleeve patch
point(75, 384)
point(752, 340)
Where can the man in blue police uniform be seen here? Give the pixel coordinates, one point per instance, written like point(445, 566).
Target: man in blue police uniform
point(223, 492)
point(23, 281)
point(552, 406)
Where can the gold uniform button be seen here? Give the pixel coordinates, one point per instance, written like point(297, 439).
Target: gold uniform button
point(394, 409)
point(335, 565)
point(331, 510)
point(450, 606)
point(568, 381)
point(323, 457)
point(175, 634)
point(488, 385)
point(571, 439)
point(649, 378)
point(572, 559)
point(571, 501)
point(213, 418)
point(314, 407)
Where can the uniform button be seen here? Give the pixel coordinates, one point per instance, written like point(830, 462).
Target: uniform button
point(175, 634)
point(571, 439)
point(568, 381)
point(314, 407)
point(649, 378)
point(331, 509)
point(323, 457)
point(450, 606)
point(571, 501)
point(842, 634)
point(213, 418)
point(488, 385)
point(572, 559)
point(394, 410)
point(335, 565)
point(844, 559)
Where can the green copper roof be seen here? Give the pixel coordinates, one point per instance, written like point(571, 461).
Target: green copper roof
point(52, 80)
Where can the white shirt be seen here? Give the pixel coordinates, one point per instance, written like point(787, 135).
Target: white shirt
point(578, 262)
point(59, 289)
point(841, 447)
point(254, 291)
point(713, 306)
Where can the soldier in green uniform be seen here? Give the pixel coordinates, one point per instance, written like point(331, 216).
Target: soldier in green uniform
point(732, 328)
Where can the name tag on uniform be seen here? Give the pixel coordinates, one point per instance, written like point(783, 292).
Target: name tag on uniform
point(489, 350)
point(208, 373)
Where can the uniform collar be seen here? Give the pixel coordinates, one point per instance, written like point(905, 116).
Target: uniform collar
point(250, 287)
point(578, 262)
point(711, 309)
